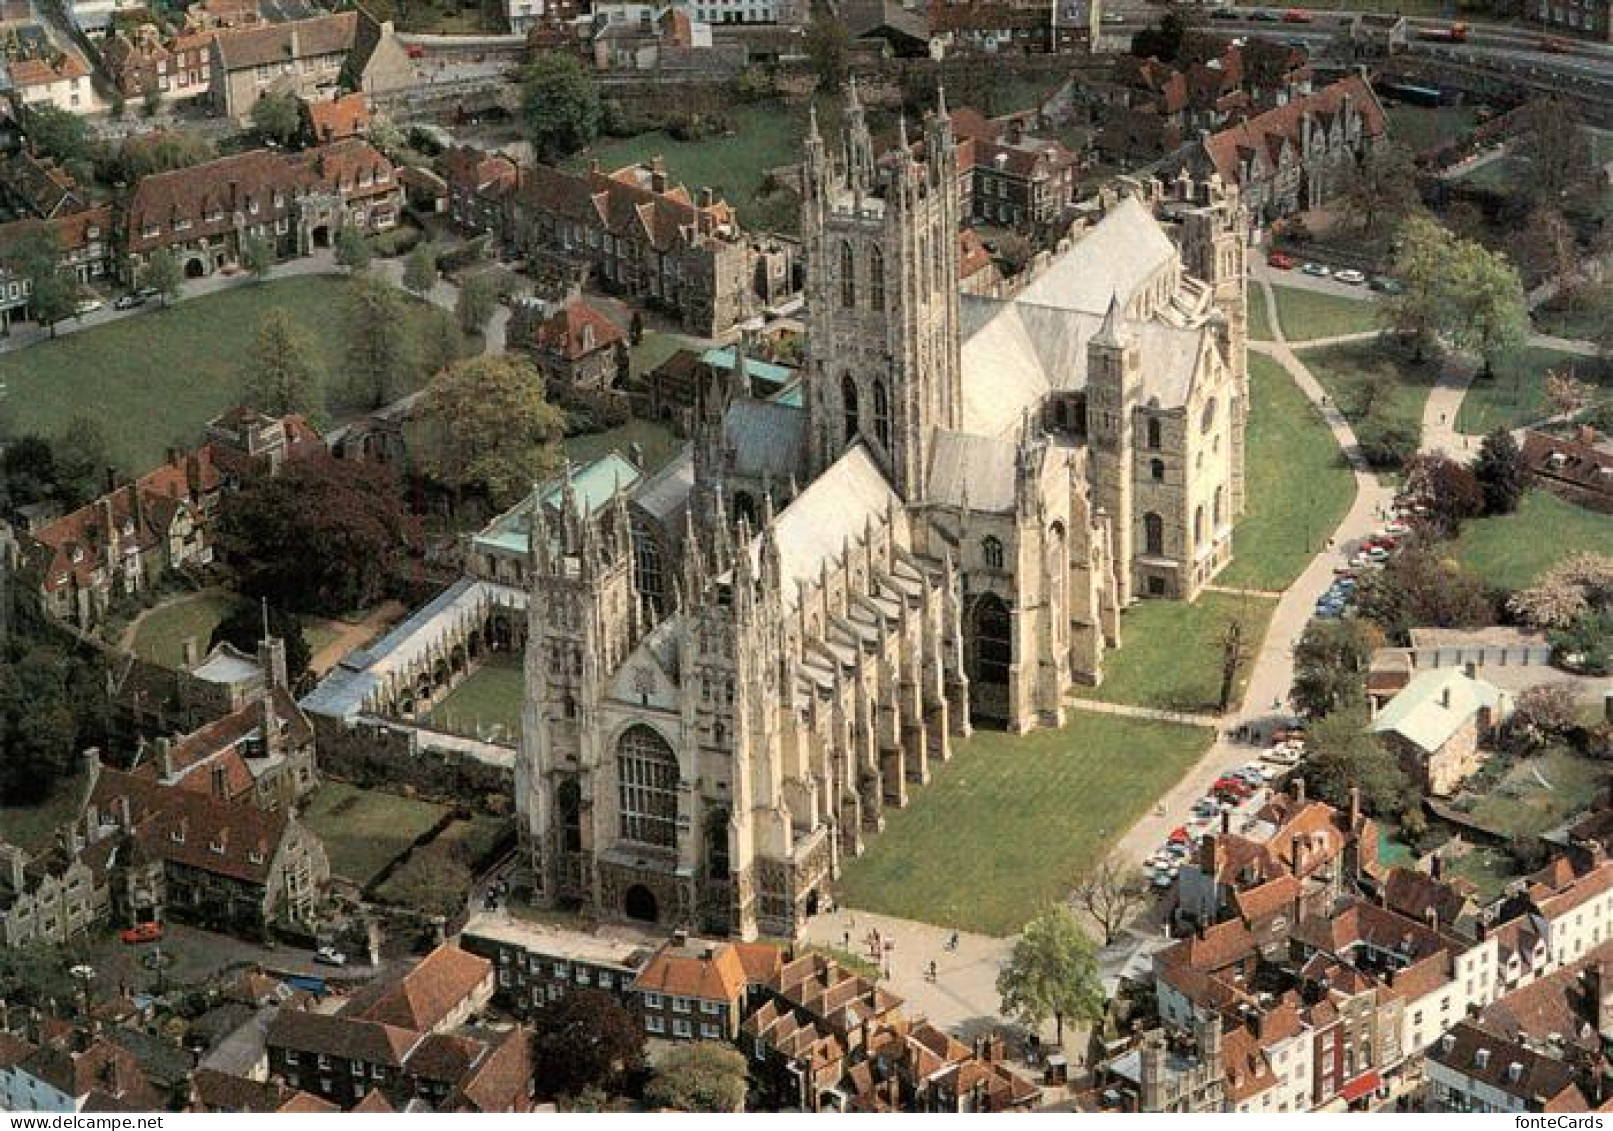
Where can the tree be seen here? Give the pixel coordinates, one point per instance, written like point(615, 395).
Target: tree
point(52, 706)
point(150, 101)
point(324, 537)
point(1330, 666)
point(704, 1076)
point(1419, 588)
point(1340, 754)
point(53, 292)
point(163, 275)
point(559, 106)
point(1053, 972)
point(1381, 188)
point(378, 351)
point(160, 151)
point(352, 249)
point(439, 343)
point(56, 133)
point(1554, 142)
point(28, 465)
point(474, 305)
point(586, 1040)
point(1485, 307)
point(277, 118)
point(1544, 246)
point(1449, 490)
point(1164, 40)
point(243, 629)
point(635, 328)
point(1545, 713)
point(83, 459)
point(1565, 593)
point(420, 270)
point(1419, 311)
point(257, 256)
point(828, 47)
point(282, 375)
point(1566, 394)
point(1500, 472)
point(1234, 653)
point(494, 432)
point(1111, 895)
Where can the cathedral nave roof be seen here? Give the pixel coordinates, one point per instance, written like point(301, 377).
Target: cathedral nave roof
point(970, 470)
point(1117, 256)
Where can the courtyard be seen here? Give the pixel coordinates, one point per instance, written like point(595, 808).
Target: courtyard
point(1299, 485)
point(365, 830)
point(159, 634)
point(1170, 653)
point(486, 703)
point(1510, 551)
point(1012, 822)
point(153, 380)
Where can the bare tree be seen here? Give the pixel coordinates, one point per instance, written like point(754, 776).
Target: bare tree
point(1111, 895)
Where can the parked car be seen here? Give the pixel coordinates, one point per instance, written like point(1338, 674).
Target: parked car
point(1316, 269)
point(1223, 14)
point(87, 306)
point(1280, 261)
point(330, 956)
point(1298, 16)
point(1350, 276)
point(1261, 16)
point(129, 301)
point(1384, 285)
point(142, 933)
point(1554, 46)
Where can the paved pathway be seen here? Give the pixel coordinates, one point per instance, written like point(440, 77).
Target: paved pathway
point(1130, 711)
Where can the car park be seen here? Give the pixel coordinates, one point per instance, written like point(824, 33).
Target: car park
point(1350, 277)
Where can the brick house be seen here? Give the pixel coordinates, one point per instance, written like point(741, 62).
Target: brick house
point(692, 989)
point(123, 541)
point(180, 68)
point(192, 855)
point(335, 119)
point(1007, 175)
point(1295, 156)
point(63, 82)
point(575, 347)
point(478, 185)
point(297, 201)
point(85, 239)
point(1437, 723)
point(441, 992)
point(298, 57)
point(536, 964)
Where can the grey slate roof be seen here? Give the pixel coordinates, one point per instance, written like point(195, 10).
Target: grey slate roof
point(1117, 256)
point(767, 437)
point(664, 495)
point(978, 470)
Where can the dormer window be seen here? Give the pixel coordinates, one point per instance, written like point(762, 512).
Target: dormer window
point(255, 856)
point(177, 835)
point(78, 555)
point(216, 847)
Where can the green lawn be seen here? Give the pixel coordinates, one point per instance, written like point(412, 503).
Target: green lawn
point(654, 348)
point(364, 830)
point(1562, 320)
point(1345, 370)
point(1299, 485)
point(1421, 128)
point(1259, 324)
point(477, 837)
point(657, 440)
point(1511, 551)
point(154, 379)
point(31, 826)
point(765, 136)
point(1522, 806)
point(1012, 822)
point(1488, 869)
point(487, 698)
point(1516, 395)
point(1311, 314)
point(1170, 651)
point(161, 635)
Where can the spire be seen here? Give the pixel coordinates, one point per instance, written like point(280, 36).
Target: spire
point(1109, 333)
point(812, 123)
point(941, 102)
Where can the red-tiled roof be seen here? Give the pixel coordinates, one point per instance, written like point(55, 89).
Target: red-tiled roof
point(577, 330)
point(427, 994)
point(1265, 135)
point(337, 118)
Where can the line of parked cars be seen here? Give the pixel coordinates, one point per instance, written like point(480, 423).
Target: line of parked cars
point(1349, 276)
point(1372, 553)
point(1239, 786)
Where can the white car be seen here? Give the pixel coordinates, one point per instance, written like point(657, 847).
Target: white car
point(1350, 276)
point(330, 956)
point(1316, 269)
point(87, 306)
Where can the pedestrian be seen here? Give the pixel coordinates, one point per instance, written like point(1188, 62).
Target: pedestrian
point(932, 969)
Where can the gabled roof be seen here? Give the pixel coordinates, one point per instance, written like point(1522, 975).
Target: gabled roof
point(1435, 705)
point(336, 118)
point(239, 48)
point(345, 1037)
point(1266, 134)
point(427, 994)
point(577, 330)
point(709, 971)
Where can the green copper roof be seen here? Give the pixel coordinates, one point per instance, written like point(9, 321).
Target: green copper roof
point(759, 370)
point(594, 483)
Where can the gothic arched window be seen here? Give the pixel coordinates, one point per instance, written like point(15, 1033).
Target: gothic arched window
point(1198, 526)
point(876, 278)
point(647, 787)
point(992, 551)
point(568, 806)
point(1153, 434)
point(1220, 493)
point(849, 405)
point(993, 640)
point(1207, 421)
point(717, 865)
point(882, 415)
point(1153, 534)
point(848, 276)
point(648, 577)
point(1156, 470)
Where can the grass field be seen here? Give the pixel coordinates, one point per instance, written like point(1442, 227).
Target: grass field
point(657, 440)
point(161, 634)
point(1488, 869)
point(1170, 652)
point(1520, 805)
point(30, 827)
point(1511, 551)
point(1421, 128)
point(487, 698)
point(1012, 822)
point(1299, 485)
point(1344, 371)
point(1311, 314)
point(364, 830)
point(1259, 324)
point(764, 137)
point(1516, 395)
point(153, 380)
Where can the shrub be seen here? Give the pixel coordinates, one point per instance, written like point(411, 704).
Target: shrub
point(399, 241)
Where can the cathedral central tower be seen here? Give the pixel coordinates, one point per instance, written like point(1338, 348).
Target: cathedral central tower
point(880, 237)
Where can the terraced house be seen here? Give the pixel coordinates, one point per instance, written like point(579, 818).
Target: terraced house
point(298, 201)
point(299, 57)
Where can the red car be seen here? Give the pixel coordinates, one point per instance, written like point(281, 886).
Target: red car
point(1554, 46)
point(142, 933)
point(1297, 16)
point(1280, 261)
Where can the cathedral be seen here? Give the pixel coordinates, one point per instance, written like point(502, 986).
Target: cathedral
point(736, 665)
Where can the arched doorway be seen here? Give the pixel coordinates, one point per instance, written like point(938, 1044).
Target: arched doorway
point(991, 654)
point(195, 267)
point(639, 903)
point(321, 235)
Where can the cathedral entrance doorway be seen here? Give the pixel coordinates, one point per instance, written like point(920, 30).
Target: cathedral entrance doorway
point(639, 903)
